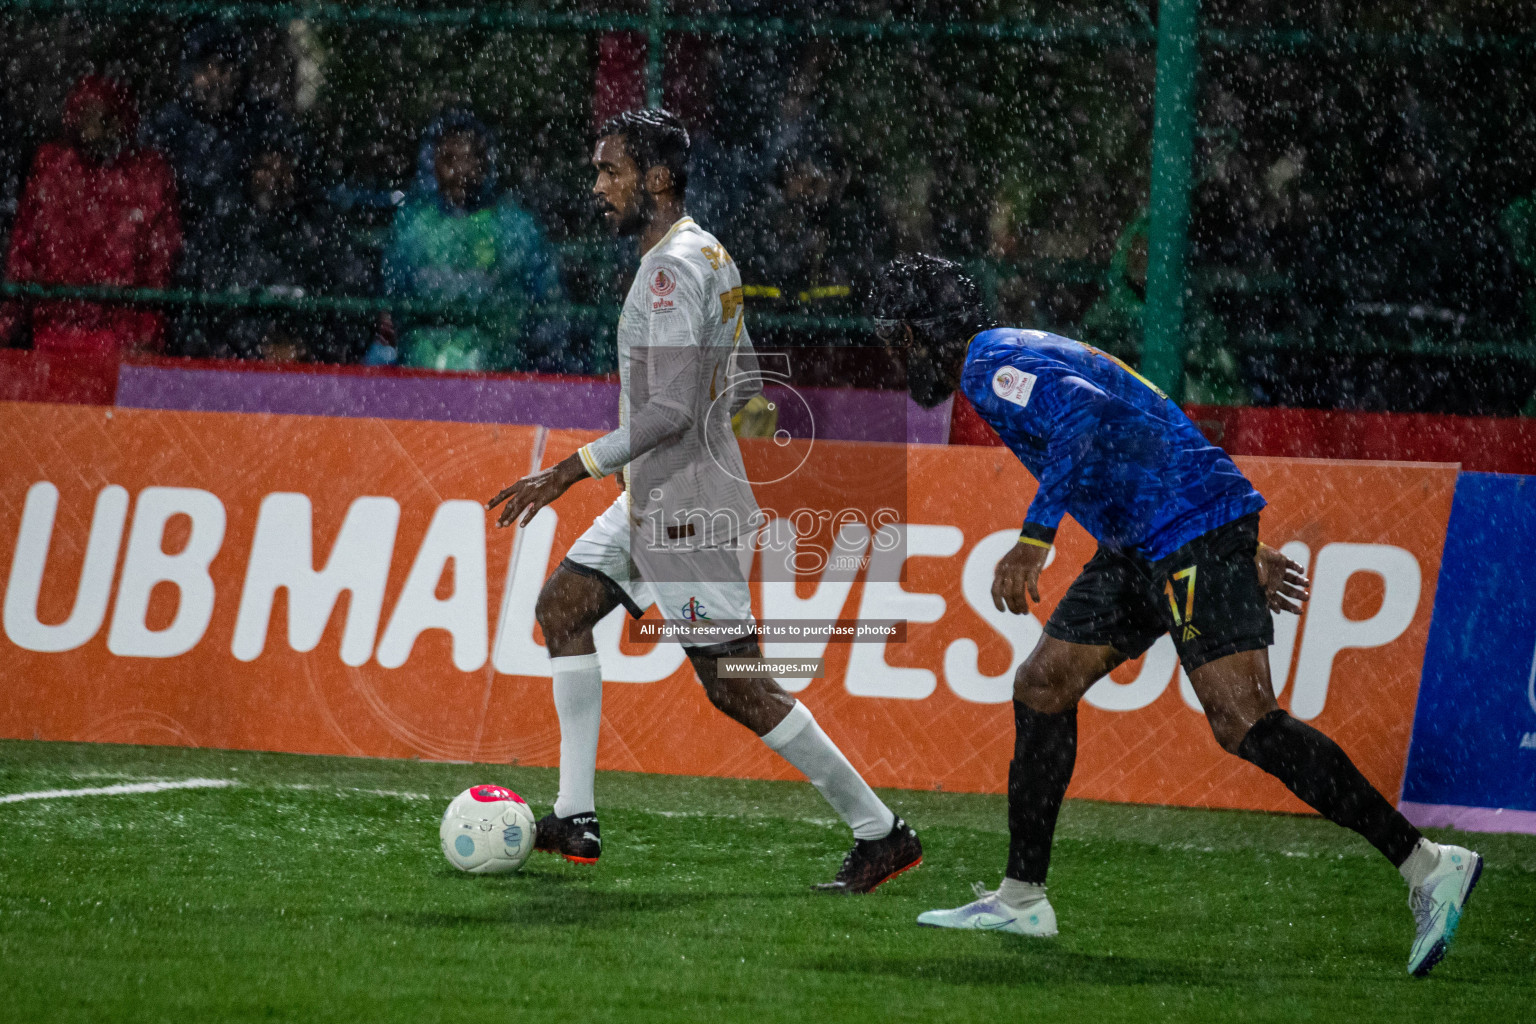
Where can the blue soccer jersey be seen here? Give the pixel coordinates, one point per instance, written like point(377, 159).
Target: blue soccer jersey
point(1106, 446)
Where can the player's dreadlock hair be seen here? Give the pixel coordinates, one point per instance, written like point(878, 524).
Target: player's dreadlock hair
point(928, 293)
point(653, 138)
point(942, 306)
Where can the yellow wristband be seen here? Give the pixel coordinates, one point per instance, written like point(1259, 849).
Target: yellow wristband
point(1035, 541)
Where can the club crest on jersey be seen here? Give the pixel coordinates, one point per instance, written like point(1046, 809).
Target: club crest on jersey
point(663, 283)
point(1013, 385)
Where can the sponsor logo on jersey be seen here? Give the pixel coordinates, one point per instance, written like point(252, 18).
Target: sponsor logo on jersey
point(693, 611)
point(1013, 385)
point(663, 283)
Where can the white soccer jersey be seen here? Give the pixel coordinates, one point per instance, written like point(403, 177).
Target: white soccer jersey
point(685, 366)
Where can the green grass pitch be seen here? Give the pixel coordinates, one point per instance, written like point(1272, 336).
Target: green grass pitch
point(314, 890)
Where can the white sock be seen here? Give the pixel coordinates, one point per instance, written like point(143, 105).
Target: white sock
point(578, 693)
point(800, 741)
point(1017, 895)
point(1424, 859)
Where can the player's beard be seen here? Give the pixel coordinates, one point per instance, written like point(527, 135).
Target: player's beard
point(931, 372)
point(634, 220)
point(928, 390)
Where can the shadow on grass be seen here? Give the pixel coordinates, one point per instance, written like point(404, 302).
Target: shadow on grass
point(1021, 963)
point(541, 905)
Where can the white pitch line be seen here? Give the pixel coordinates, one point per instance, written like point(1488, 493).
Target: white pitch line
point(127, 787)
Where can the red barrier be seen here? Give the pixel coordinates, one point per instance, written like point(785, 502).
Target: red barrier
point(61, 377)
point(967, 427)
point(1482, 444)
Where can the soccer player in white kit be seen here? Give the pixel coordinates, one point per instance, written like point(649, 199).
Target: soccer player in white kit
point(678, 535)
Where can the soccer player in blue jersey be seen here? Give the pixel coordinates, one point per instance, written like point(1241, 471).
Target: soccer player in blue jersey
point(1178, 531)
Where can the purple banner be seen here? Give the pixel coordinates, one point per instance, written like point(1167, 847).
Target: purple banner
point(843, 414)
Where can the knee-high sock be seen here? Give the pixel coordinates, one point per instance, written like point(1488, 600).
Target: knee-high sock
point(579, 705)
point(1044, 754)
point(800, 741)
point(1318, 771)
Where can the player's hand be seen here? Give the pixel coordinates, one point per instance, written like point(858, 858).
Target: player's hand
point(1285, 583)
point(1016, 581)
point(526, 497)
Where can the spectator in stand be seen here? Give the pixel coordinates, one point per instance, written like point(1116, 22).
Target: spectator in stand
point(814, 248)
point(458, 239)
point(97, 210)
point(207, 132)
point(283, 241)
point(16, 150)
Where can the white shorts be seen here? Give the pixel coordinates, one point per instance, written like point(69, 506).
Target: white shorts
point(687, 584)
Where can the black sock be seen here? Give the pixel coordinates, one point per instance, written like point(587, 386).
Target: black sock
point(1044, 753)
point(1318, 771)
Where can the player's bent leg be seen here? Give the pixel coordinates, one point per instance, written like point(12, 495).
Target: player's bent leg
point(884, 846)
point(1236, 693)
point(1046, 691)
point(1057, 673)
point(569, 605)
point(757, 702)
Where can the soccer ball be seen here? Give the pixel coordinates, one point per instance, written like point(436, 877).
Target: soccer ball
point(487, 830)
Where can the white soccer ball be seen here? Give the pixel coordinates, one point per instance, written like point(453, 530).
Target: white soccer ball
point(487, 830)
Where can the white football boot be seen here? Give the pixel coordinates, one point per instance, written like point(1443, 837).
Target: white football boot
point(1438, 904)
point(988, 913)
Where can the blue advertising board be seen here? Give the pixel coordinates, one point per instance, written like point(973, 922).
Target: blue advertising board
point(1474, 733)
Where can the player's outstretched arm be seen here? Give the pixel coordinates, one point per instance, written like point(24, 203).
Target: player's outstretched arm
point(1016, 580)
point(1286, 585)
point(536, 490)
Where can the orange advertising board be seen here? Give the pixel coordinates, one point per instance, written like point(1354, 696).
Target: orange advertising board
point(334, 586)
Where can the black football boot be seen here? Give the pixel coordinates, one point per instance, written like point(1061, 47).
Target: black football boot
point(576, 838)
point(872, 862)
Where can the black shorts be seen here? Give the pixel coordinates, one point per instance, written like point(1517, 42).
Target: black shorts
point(1207, 594)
